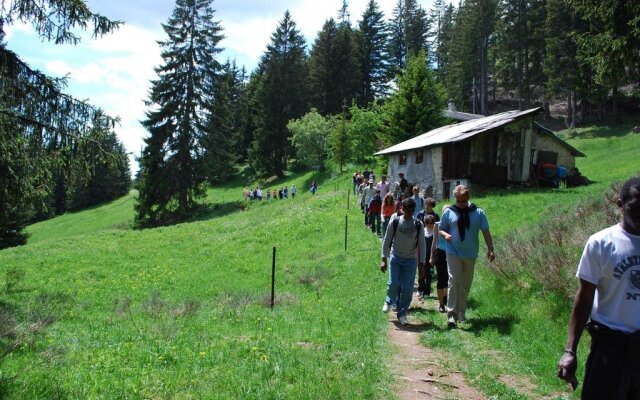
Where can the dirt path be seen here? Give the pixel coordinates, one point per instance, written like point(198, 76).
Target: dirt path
point(420, 373)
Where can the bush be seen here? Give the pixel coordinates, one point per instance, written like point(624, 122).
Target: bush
point(544, 257)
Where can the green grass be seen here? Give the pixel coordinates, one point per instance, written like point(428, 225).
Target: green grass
point(182, 311)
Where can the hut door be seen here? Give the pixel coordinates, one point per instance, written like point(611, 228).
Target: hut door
point(455, 160)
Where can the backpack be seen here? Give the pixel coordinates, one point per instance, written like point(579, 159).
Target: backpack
point(395, 223)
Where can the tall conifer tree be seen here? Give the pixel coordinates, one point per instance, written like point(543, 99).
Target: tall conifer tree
point(171, 173)
point(281, 94)
point(372, 34)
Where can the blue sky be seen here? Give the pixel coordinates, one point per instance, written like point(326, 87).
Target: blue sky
point(114, 72)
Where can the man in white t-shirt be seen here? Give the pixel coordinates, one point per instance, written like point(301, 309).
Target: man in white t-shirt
point(609, 298)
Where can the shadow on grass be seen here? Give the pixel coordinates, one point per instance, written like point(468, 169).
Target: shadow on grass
point(417, 328)
point(208, 211)
point(502, 324)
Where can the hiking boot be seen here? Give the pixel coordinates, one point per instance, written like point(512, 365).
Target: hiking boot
point(442, 309)
point(385, 307)
point(452, 321)
point(403, 320)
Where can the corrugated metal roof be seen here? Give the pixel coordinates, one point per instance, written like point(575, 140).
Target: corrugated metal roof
point(458, 132)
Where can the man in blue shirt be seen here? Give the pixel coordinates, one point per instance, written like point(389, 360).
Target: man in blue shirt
point(460, 226)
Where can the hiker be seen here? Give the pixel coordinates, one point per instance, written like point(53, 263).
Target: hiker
point(425, 272)
point(609, 274)
point(294, 190)
point(383, 186)
point(403, 183)
point(439, 260)
point(314, 187)
point(367, 194)
point(418, 199)
point(403, 237)
point(429, 204)
point(374, 208)
point(460, 226)
point(388, 208)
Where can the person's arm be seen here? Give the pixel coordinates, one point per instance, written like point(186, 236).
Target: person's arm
point(434, 245)
point(489, 242)
point(582, 305)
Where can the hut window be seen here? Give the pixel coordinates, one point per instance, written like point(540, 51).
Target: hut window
point(419, 156)
point(403, 158)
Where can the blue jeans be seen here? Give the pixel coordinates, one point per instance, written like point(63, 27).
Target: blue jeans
point(374, 222)
point(402, 276)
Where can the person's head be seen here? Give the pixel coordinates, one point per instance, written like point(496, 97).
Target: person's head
point(429, 203)
point(378, 192)
point(461, 193)
point(383, 178)
point(408, 206)
point(416, 190)
point(388, 199)
point(429, 221)
point(371, 182)
point(401, 175)
point(629, 202)
point(403, 196)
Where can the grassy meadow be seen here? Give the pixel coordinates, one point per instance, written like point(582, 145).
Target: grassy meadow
point(102, 311)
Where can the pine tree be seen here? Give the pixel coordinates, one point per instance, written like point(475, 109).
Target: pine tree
point(470, 44)
point(442, 23)
point(281, 94)
point(416, 28)
point(610, 45)
point(172, 177)
point(224, 127)
point(372, 34)
point(417, 105)
point(41, 128)
point(520, 47)
point(397, 41)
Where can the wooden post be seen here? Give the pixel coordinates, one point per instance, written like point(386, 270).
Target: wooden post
point(346, 224)
point(348, 195)
point(273, 278)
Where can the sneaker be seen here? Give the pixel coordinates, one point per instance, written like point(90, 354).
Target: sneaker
point(442, 309)
point(385, 307)
point(403, 320)
point(452, 321)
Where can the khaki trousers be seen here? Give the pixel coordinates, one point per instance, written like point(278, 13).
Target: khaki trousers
point(460, 279)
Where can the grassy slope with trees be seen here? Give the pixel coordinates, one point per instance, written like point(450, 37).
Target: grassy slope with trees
point(182, 311)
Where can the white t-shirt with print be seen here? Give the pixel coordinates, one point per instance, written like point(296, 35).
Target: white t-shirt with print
point(611, 261)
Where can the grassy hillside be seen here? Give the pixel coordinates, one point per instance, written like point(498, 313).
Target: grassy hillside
point(182, 311)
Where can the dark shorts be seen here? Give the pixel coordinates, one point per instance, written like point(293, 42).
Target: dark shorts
point(613, 366)
point(440, 262)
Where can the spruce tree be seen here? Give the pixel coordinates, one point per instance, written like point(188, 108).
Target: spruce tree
point(172, 176)
point(442, 22)
point(417, 105)
point(41, 128)
point(397, 42)
point(372, 33)
point(280, 95)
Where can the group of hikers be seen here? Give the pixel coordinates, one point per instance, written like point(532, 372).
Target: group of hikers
point(417, 239)
point(257, 193)
point(607, 303)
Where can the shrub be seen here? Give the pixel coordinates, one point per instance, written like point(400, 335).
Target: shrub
point(544, 257)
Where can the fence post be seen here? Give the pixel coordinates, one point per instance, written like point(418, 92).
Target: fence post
point(346, 224)
point(273, 277)
point(348, 195)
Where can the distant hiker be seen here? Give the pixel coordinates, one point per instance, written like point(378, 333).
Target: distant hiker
point(418, 199)
point(268, 194)
point(402, 183)
point(367, 194)
point(280, 194)
point(383, 186)
point(354, 181)
point(366, 173)
point(259, 194)
point(375, 211)
point(439, 260)
point(285, 192)
point(425, 272)
point(314, 187)
point(274, 194)
point(404, 236)
point(399, 203)
point(245, 193)
point(609, 273)
point(460, 226)
point(294, 190)
point(388, 208)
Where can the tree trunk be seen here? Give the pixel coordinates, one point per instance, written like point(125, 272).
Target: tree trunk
point(614, 104)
